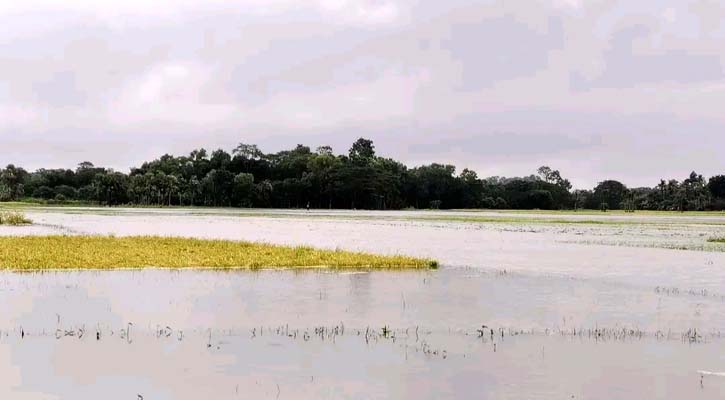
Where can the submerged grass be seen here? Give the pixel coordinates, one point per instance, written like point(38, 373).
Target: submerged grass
point(519, 220)
point(497, 216)
point(106, 252)
point(505, 219)
point(13, 218)
point(717, 240)
point(662, 213)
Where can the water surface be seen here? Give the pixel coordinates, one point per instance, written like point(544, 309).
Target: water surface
point(566, 314)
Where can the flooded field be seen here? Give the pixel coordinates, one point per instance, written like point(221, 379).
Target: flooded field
point(524, 306)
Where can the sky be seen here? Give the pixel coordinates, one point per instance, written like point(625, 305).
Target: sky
point(626, 90)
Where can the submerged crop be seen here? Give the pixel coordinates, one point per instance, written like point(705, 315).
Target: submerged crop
point(107, 252)
point(13, 218)
point(717, 240)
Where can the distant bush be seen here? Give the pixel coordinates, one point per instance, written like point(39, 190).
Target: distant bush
point(86, 193)
point(68, 192)
point(539, 199)
point(717, 205)
point(500, 203)
point(43, 192)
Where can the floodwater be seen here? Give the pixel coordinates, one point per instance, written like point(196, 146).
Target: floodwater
point(516, 310)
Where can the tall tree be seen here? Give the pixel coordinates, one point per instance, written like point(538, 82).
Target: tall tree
point(362, 151)
point(608, 194)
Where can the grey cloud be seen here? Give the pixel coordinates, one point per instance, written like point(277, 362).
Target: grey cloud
point(495, 49)
point(467, 48)
point(60, 90)
point(499, 86)
point(624, 67)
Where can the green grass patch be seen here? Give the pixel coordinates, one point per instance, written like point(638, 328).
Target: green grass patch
point(13, 218)
point(716, 240)
point(106, 252)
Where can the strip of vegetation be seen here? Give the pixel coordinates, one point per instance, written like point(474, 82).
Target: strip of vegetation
point(716, 240)
point(13, 218)
point(360, 179)
point(580, 211)
point(107, 252)
point(260, 213)
point(562, 221)
point(515, 217)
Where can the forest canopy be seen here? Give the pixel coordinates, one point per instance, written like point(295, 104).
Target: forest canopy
point(300, 177)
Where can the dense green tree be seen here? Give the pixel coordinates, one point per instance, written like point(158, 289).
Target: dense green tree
point(362, 150)
point(609, 192)
point(44, 192)
point(321, 179)
point(243, 189)
point(12, 183)
point(553, 177)
point(716, 186)
point(85, 173)
point(217, 187)
point(68, 192)
point(539, 199)
point(696, 192)
point(436, 182)
point(248, 151)
point(111, 188)
point(262, 194)
point(322, 167)
point(87, 193)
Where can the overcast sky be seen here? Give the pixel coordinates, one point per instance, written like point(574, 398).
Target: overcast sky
point(630, 90)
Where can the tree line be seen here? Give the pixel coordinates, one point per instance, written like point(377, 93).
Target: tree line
point(300, 177)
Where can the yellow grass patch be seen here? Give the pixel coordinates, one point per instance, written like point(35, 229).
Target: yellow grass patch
point(104, 252)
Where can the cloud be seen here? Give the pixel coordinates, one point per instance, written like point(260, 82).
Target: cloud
point(362, 11)
point(485, 59)
point(486, 83)
point(169, 92)
point(632, 59)
point(14, 116)
point(162, 11)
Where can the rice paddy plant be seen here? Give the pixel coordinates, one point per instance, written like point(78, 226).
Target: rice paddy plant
point(13, 218)
point(105, 252)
